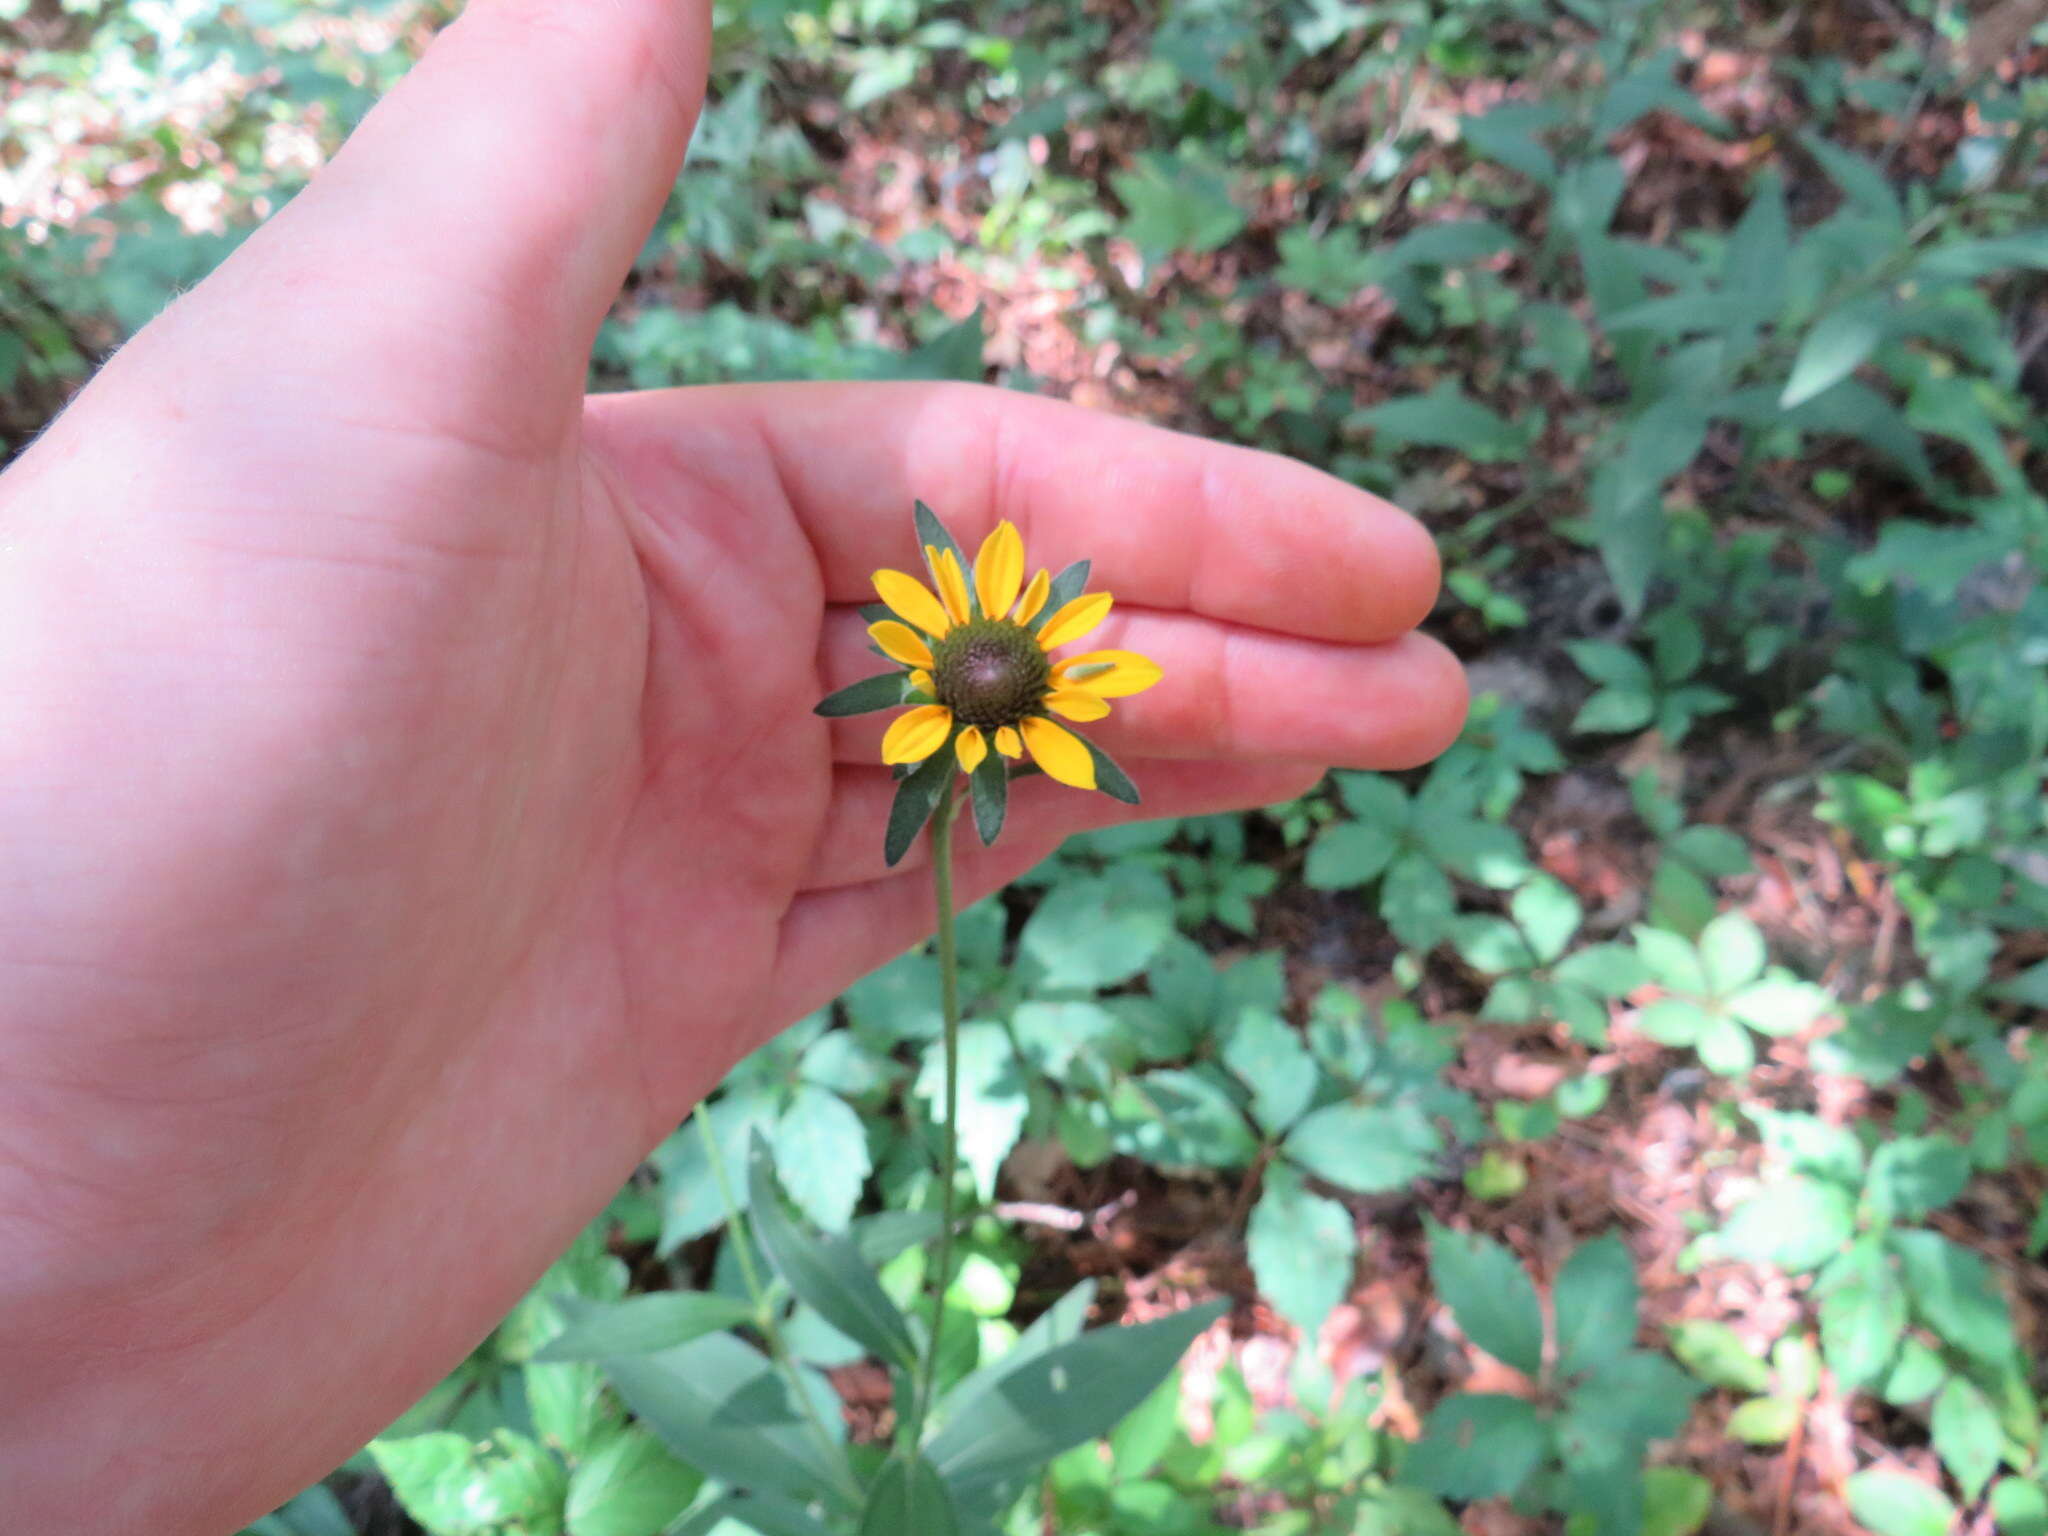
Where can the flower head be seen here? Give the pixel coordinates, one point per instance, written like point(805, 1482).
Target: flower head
point(975, 649)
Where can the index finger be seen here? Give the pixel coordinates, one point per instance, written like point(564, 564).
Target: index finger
point(1170, 521)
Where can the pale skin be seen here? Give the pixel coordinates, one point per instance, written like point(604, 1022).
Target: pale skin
point(410, 801)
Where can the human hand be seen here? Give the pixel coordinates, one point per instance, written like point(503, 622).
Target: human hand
point(412, 799)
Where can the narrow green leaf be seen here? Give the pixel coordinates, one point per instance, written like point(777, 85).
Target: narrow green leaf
point(768, 1513)
point(1066, 586)
point(863, 698)
point(1489, 1295)
point(909, 1498)
point(933, 534)
point(989, 786)
point(1839, 341)
point(1109, 778)
point(1715, 1353)
point(916, 798)
point(630, 1487)
point(1061, 1398)
point(826, 1273)
point(640, 1325)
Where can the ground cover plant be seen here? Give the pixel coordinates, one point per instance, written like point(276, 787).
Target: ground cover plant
point(1637, 1120)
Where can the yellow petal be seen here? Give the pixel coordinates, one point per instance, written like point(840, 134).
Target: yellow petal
point(999, 570)
point(912, 601)
point(1128, 673)
point(1076, 704)
point(921, 680)
point(1034, 597)
point(1074, 620)
point(917, 735)
point(952, 581)
point(1009, 743)
point(899, 642)
point(972, 747)
point(1059, 752)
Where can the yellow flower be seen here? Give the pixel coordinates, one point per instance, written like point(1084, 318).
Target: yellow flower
point(981, 649)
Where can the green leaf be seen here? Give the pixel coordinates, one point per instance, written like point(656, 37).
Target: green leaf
point(1417, 901)
point(908, 1496)
point(640, 1325)
point(1715, 1353)
point(1176, 203)
point(864, 697)
point(1096, 931)
point(1674, 964)
point(1914, 1176)
point(934, 534)
point(1595, 1301)
point(916, 798)
point(1796, 1223)
point(1968, 260)
point(1548, 913)
point(1778, 1005)
point(1302, 1248)
point(1507, 135)
point(1614, 712)
point(821, 1155)
point(1674, 1021)
point(1764, 1421)
point(1181, 1118)
point(631, 1487)
point(1862, 1316)
point(1369, 1148)
point(1446, 417)
point(993, 1098)
point(1272, 1061)
point(1489, 1295)
point(1966, 1435)
point(2020, 1507)
point(1476, 1446)
point(1110, 779)
point(826, 1273)
point(1725, 1046)
point(1952, 1292)
point(766, 1513)
point(1731, 952)
point(439, 1479)
point(1350, 853)
point(1675, 1502)
point(1839, 341)
point(719, 1404)
point(989, 786)
point(1059, 1399)
point(1451, 243)
point(1374, 799)
point(1068, 585)
point(1609, 970)
point(1892, 1504)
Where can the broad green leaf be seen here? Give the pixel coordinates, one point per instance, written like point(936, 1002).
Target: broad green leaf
point(1349, 854)
point(1971, 259)
point(1417, 901)
point(1181, 1118)
point(826, 1273)
point(1490, 1296)
point(1674, 1021)
point(1967, 1435)
point(719, 1405)
point(1302, 1248)
point(1673, 963)
point(1374, 799)
point(1614, 711)
point(1061, 1398)
point(1446, 417)
point(821, 1155)
point(1715, 1353)
point(1595, 1302)
point(1368, 1148)
point(631, 1487)
point(2020, 1507)
point(1725, 1046)
point(1609, 970)
point(993, 1098)
point(1548, 914)
point(1765, 1420)
point(1951, 1290)
point(1614, 666)
point(1914, 1176)
point(1862, 1316)
point(640, 1325)
point(1675, 1502)
point(1795, 1223)
point(1638, 1397)
point(1732, 952)
point(1476, 1446)
point(1839, 341)
point(1778, 1005)
point(1176, 203)
point(1096, 931)
point(909, 1498)
point(1892, 1504)
point(439, 1479)
point(1271, 1059)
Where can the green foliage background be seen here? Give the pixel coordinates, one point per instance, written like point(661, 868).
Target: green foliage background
point(1726, 407)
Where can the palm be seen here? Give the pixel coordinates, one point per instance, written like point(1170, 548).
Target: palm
point(460, 812)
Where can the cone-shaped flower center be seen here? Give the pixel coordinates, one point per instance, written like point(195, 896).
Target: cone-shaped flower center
point(990, 673)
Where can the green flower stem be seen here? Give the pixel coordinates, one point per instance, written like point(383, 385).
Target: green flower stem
point(949, 1157)
point(764, 1314)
